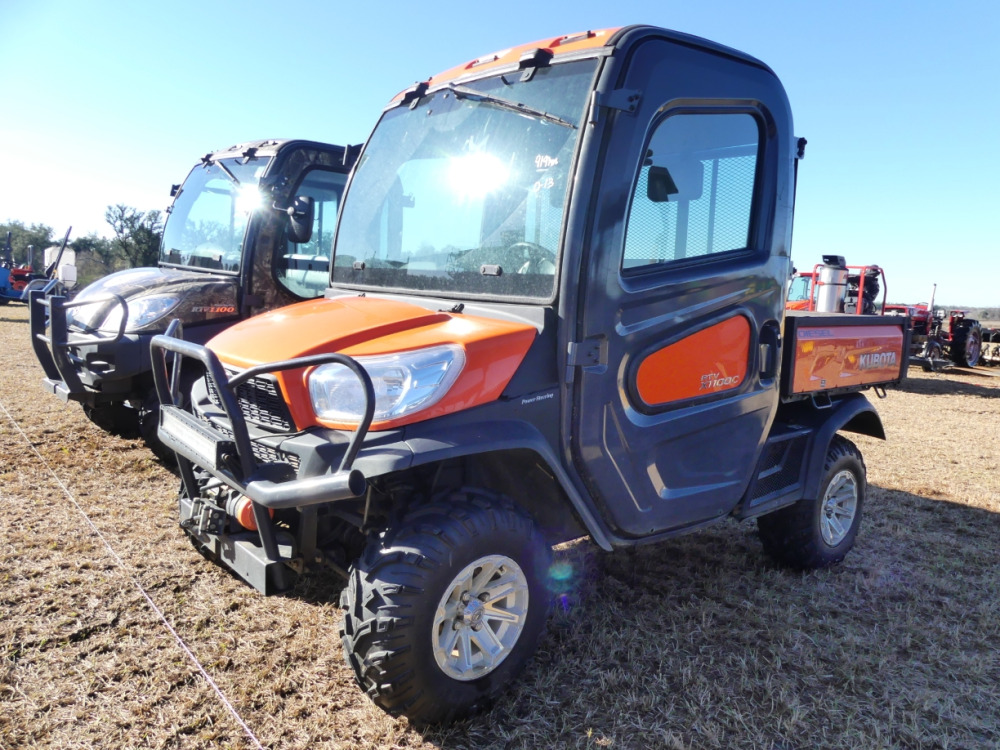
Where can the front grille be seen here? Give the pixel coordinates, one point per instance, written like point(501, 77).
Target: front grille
point(260, 401)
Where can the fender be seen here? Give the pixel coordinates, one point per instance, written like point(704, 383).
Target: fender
point(497, 436)
point(851, 413)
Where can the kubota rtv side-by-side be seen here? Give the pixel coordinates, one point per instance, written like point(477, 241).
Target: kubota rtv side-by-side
point(249, 230)
point(556, 309)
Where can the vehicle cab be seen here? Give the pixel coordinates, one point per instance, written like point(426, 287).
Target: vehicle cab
point(249, 230)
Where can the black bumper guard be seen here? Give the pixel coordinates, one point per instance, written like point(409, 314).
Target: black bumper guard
point(231, 460)
point(52, 348)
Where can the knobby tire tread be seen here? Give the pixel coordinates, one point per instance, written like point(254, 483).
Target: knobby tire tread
point(791, 535)
point(387, 583)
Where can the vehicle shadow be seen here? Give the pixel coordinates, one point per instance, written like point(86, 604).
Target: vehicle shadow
point(704, 637)
point(940, 386)
point(4, 319)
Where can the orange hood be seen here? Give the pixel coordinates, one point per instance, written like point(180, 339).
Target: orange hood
point(360, 326)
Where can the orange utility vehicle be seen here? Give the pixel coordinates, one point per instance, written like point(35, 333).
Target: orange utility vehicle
point(556, 309)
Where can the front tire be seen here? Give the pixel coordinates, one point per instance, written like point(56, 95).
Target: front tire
point(817, 533)
point(116, 419)
point(149, 423)
point(443, 610)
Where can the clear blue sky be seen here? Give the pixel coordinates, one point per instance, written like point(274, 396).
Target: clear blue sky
point(111, 102)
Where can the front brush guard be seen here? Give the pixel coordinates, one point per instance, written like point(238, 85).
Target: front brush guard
point(62, 375)
point(231, 459)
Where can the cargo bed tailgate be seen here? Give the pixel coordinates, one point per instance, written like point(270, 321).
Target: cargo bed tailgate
point(830, 354)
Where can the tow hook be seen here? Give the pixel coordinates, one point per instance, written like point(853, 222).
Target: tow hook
point(205, 519)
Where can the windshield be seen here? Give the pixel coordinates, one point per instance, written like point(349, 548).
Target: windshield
point(465, 191)
point(799, 289)
point(208, 219)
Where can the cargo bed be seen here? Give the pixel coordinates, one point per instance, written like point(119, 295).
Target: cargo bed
point(826, 354)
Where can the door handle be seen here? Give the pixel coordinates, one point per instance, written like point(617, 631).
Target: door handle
point(770, 346)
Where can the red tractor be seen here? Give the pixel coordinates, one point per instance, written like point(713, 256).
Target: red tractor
point(933, 342)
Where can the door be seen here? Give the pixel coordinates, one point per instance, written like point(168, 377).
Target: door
point(677, 381)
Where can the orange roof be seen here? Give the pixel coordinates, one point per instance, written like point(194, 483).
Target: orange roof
point(560, 45)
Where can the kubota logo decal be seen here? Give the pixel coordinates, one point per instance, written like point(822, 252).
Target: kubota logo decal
point(877, 360)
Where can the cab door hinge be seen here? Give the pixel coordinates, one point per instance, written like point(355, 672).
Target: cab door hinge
point(624, 100)
point(592, 355)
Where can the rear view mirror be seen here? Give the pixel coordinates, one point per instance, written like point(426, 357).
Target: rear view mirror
point(678, 180)
point(300, 219)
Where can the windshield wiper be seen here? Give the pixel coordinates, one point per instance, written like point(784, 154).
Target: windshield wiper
point(464, 92)
point(225, 169)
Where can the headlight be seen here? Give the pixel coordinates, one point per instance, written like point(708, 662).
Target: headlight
point(404, 383)
point(141, 312)
point(85, 316)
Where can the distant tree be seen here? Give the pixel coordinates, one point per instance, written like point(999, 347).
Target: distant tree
point(99, 249)
point(38, 236)
point(95, 257)
point(137, 234)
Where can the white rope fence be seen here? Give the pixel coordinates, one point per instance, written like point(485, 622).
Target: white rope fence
point(135, 581)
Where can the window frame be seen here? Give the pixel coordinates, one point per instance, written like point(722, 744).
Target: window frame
point(284, 242)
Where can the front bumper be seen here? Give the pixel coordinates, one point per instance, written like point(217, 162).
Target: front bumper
point(229, 457)
point(85, 367)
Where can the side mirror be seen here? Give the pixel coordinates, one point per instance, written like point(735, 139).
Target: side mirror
point(660, 185)
point(301, 214)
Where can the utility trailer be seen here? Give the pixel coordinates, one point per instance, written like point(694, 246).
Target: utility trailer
point(556, 309)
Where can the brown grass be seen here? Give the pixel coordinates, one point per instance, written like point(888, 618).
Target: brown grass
point(696, 643)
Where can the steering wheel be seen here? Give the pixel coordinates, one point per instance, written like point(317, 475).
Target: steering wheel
point(540, 260)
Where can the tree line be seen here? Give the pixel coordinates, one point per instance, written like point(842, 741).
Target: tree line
point(135, 243)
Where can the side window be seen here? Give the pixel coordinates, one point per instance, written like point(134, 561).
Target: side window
point(304, 269)
point(694, 193)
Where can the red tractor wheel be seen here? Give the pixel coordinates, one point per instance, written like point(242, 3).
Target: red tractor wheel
point(967, 344)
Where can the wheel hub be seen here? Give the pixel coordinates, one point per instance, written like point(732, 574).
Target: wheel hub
point(480, 617)
point(472, 615)
point(839, 508)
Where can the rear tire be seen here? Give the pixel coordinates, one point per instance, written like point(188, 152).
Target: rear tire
point(817, 533)
point(967, 345)
point(443, 610)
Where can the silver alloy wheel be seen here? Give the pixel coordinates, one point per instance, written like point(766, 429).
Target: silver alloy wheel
point(480, 617)
point(840, 504)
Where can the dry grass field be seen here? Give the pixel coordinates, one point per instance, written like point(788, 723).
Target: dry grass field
point(116, 633)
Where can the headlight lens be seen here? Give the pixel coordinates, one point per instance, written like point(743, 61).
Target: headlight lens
point(404, 383)
point(141, 312)
point(84, 316)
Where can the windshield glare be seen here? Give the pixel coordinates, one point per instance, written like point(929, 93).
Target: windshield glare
point(208, 219)
point(466, 195)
